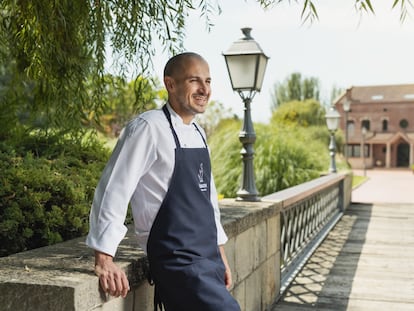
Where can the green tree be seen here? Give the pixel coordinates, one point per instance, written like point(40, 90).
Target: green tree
point(295, 88)
point(56, 46)
point(335, 92)
point(52, 48)
point(44, 46)
point(119, 97)
point(300, 113)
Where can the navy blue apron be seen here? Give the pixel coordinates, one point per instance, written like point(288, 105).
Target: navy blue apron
point(184, 258)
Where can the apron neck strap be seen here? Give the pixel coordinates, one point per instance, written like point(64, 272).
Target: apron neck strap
point(168, 115)
point(177, 142)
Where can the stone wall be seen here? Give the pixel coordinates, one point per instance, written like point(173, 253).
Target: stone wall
point(61, 277)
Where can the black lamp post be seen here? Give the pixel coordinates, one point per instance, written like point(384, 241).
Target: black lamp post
point(332, 122)
point(347, 107)
point(246, 64)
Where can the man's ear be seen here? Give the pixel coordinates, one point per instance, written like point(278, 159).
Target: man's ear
point(169, 83)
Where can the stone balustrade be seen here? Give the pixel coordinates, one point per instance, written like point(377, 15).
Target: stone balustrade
point(61, 277)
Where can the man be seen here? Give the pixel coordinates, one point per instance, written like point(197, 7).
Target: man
point(161, 166)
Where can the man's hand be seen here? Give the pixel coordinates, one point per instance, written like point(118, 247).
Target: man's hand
point(227, 275)
point(113, 279)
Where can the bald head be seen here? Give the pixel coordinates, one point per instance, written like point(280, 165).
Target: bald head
point(178, 62)
point(187, 81)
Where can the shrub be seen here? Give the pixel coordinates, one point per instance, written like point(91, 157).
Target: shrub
point(46, 188)
point(285, 156)
point(225, 157)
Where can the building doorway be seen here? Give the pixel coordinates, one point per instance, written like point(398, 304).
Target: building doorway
point(403, 155)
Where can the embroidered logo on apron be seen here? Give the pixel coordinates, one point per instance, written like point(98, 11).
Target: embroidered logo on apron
point(202, 185)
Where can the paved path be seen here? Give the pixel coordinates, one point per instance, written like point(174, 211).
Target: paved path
point(385, 186)
point(366, 262)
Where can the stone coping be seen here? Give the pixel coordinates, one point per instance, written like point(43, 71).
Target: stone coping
point(74, 257)
point(64, 271)
point(289, 196)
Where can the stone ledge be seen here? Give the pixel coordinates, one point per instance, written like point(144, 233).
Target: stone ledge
point(61, 276)
point(238, 216)
point(290, 196)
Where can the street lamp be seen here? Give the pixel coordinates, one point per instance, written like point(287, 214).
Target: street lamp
point(332, 122)
point(347, 107)
point(364, 134)
point(246, 64)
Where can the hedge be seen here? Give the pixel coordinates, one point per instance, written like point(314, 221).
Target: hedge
point(46, 188)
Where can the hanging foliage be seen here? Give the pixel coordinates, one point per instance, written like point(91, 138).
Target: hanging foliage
point(50, 50)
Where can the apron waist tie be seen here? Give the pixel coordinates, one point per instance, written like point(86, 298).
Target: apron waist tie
point(158, 306)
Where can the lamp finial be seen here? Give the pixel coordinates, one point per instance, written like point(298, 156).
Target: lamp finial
point(246, 31)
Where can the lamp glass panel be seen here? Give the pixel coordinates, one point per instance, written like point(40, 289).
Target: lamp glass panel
point(332, 123)
point(241, 70)
point(261, 71)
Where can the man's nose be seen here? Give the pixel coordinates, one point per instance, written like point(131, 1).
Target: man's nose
point(204, 87)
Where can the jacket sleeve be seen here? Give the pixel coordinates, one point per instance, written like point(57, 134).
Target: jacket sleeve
point(132, 156)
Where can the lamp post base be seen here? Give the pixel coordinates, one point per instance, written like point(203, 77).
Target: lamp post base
point(244, 195)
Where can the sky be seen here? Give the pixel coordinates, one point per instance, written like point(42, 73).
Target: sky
point(341, 49)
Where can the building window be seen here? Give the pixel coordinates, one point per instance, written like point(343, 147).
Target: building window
point(351, 127)
point(354, 151)
point(403, 123)
point(366, 124)
point(384, 125)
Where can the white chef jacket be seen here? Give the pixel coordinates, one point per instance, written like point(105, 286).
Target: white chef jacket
point(139, 172)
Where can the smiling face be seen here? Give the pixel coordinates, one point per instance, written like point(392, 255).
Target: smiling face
point(188, 85)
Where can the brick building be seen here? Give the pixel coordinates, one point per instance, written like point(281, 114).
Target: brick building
point(387, 114)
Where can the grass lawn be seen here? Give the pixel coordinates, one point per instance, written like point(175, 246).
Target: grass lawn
point(357, 180)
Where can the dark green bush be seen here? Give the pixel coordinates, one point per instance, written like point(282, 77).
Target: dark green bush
point(46, 188)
